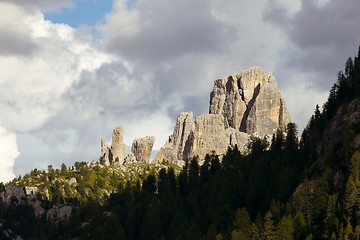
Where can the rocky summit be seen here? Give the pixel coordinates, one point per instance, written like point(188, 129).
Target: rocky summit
point(242, 105)
point(250, 102)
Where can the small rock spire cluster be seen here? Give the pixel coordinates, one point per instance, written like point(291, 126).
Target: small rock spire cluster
point(116, 155)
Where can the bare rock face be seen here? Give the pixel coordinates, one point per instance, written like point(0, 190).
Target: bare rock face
point(166, 154)
point(12, 193)
point(173, 149)
point(182, 130)
point(250, 102)
point(140, 151)
point(239, 139)
point(207, 136)
point(242, 105)
point(105, 152)
point(142, 148)
point(118, 151)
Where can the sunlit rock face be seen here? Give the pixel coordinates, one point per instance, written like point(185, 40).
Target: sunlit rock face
point(250, 102)
point(142, 148)
point(115, 155)
point(242, 105)
point(118, 151)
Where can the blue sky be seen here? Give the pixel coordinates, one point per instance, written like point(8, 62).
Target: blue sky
point(87, 12)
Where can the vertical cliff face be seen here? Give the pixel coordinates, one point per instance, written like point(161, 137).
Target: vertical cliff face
point(207, 136)
point(241, 105)
point(117, 147)
point(250, 102)
point(141, 148)
point(173, 149)
point(105, 151)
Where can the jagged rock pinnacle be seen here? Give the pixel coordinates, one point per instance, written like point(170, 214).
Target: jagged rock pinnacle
point(117, 146)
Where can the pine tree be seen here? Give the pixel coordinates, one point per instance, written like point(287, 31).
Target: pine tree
point(269, 229)
point(254, 232)
point(285, 229)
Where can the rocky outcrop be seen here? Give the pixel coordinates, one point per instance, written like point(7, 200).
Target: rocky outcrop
point(118, 151)
point(250, 102)
point(59, 213)
point(142, 148)
point(31, 190)
point(12, 193)
point(174, 147)
point(207, 136)
point(116, 154)
point(242, 105)
point(237, 138)
point(140, 151)
point(105, 152)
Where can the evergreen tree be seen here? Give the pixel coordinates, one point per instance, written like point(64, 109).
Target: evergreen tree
point(269, 229)
point(285, 229)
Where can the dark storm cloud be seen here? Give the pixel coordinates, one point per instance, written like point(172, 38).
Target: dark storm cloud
point(15, 43)
point(41, 4)
point(323, 36)
point(165, 30)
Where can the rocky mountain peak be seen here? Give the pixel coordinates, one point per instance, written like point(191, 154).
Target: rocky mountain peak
point(250, 102)
point(241, 105)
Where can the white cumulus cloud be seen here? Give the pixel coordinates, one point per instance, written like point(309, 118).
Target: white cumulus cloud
point(8, 153)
